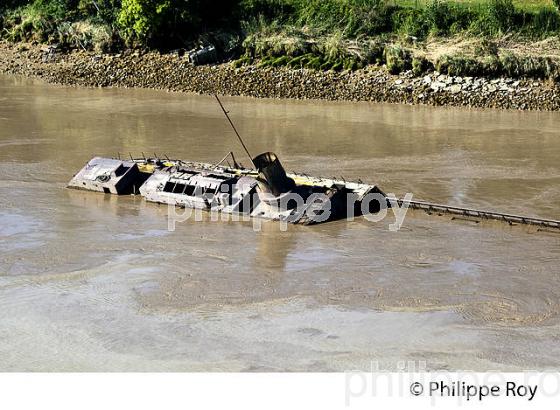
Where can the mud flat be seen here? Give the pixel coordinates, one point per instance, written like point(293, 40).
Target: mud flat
point(170, 72)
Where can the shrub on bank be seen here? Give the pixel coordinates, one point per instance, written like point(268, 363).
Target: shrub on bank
point(459, 65)
point(545, 21)
point(445, 18)
point(65, 21)
point(507, 64)
point(86, 35)
point(32, 22)
point(420, 65)
point(497, 18)
point(397, 59)
point(260, 45)
point(352, 17)
point(530, 66)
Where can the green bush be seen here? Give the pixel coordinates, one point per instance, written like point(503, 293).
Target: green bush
point(536, 67)
point(497, 17)
point(508, 64)
point(140, 19)
point(99, 11)
point(545, 21)
point(298, 62)
point(36, 21)
point(486, 47)
point(491, 66)
point(350, 63)
point(243, 60)
point(334, 47)
point(353, 17)
point(373, 52)
point(12, 4)
point(315, 63)
point(89, 36)
point(397, 59)
point(266, 9)
point(458, 65)
point(511, 65)
point(311, 61)
point(420, 65)
point(337, 66)
point(446, 18)
point(409, 21)
point(280, 61)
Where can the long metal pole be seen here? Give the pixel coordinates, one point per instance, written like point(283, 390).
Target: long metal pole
point(234, 129)
point(476, 213)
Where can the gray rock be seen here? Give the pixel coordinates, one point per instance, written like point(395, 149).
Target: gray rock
point(455, 88)
point(437, 85)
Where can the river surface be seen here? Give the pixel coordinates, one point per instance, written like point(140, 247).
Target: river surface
point(92, 282)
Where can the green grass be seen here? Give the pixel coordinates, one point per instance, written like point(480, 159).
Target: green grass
point(524, 5)
point(355, 18)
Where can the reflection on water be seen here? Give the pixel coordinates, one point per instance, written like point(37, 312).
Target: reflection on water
point(273, 247)
point(95, 282)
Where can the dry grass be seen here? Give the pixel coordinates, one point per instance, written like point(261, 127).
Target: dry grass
point(437, 47)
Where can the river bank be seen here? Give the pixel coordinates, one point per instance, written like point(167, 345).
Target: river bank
point(173, 73)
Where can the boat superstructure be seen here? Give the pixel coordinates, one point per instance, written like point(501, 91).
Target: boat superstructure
point(266, 192)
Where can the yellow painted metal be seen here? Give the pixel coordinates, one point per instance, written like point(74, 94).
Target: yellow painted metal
point(147, 168)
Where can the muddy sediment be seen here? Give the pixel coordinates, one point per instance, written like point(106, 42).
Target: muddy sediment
point(174, 73)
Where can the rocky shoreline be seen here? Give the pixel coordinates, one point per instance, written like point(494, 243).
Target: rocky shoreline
point(172, 72)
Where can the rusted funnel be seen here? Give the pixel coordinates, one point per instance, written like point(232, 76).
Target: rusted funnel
point(272, 174)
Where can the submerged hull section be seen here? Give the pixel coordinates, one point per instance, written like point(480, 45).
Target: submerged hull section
point(295, 198)
point(111, 176)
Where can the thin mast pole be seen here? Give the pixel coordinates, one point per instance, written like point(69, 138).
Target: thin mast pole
point(235, 130)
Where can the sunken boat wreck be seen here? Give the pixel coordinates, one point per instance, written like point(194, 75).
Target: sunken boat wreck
point(265, 192)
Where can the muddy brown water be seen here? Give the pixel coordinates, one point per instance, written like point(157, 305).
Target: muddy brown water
point(95, 282)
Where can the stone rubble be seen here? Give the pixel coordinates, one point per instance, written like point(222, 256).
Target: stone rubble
point(174, 73)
